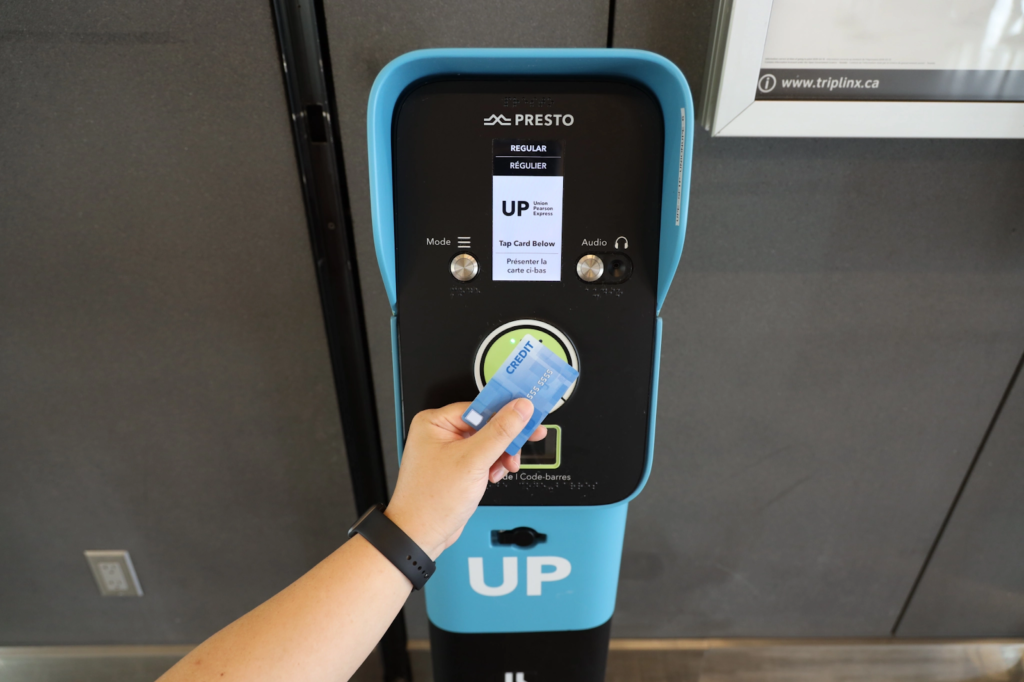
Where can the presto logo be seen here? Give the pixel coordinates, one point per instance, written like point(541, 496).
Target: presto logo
point(518, 359)
point(536, 576)
point(545, 120)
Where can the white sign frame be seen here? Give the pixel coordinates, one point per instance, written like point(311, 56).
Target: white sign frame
point(730, 109)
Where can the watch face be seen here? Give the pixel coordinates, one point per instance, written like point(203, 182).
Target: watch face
point(376, 507)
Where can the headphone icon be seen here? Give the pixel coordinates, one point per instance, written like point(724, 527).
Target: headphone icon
point(624, 241)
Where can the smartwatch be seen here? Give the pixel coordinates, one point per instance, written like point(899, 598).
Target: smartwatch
point(395, 545)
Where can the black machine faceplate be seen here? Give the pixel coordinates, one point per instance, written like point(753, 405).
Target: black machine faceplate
point(611, 161)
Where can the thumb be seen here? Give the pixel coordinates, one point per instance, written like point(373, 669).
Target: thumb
point(489, 442)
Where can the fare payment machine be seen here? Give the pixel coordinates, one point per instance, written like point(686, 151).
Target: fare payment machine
point(541, 192)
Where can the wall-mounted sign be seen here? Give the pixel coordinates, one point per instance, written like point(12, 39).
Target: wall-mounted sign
point(867, 68)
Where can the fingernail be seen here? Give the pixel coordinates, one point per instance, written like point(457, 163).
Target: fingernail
point(524, 407)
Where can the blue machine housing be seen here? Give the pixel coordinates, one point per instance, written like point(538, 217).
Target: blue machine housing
point(590, 537)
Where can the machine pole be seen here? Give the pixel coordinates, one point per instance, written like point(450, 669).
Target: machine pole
point(305, 60)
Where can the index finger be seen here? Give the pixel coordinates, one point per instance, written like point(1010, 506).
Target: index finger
point(540, 433)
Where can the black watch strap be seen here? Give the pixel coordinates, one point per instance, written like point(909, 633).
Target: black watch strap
point(395, 545)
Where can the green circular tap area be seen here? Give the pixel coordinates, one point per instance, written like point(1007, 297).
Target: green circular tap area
point(506, 343)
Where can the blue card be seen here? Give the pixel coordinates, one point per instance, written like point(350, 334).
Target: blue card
point(531, 371)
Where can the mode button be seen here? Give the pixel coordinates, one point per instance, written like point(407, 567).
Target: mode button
point(464, 267)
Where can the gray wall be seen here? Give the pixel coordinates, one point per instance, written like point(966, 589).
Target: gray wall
point(844, 323)
point(164, 379)
point(843, 326)
point(846, 318)
point(974, 585)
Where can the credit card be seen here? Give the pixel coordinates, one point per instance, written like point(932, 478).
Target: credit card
point(531, 371)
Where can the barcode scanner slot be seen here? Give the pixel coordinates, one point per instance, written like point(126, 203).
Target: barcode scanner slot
point(520, 537)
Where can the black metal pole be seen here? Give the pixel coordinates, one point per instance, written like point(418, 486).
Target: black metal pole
point(305, 61)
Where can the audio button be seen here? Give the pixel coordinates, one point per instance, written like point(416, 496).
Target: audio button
point(590, 268)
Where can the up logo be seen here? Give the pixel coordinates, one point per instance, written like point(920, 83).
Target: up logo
point(511, 211)
point(536, 575)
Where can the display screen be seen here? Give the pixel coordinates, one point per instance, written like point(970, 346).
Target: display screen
point(526, 205)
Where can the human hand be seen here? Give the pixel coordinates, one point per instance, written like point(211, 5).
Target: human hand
point(445, 469)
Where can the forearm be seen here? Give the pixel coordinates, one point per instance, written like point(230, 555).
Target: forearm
point(321, 627)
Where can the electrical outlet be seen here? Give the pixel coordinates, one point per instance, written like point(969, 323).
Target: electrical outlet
point(114, 573)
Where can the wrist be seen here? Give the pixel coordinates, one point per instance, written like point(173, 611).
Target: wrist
point(413, 525)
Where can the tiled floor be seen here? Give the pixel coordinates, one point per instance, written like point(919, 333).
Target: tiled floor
point(854, 663)
point(628, 661)
point(654, 666)
point(623, 666)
